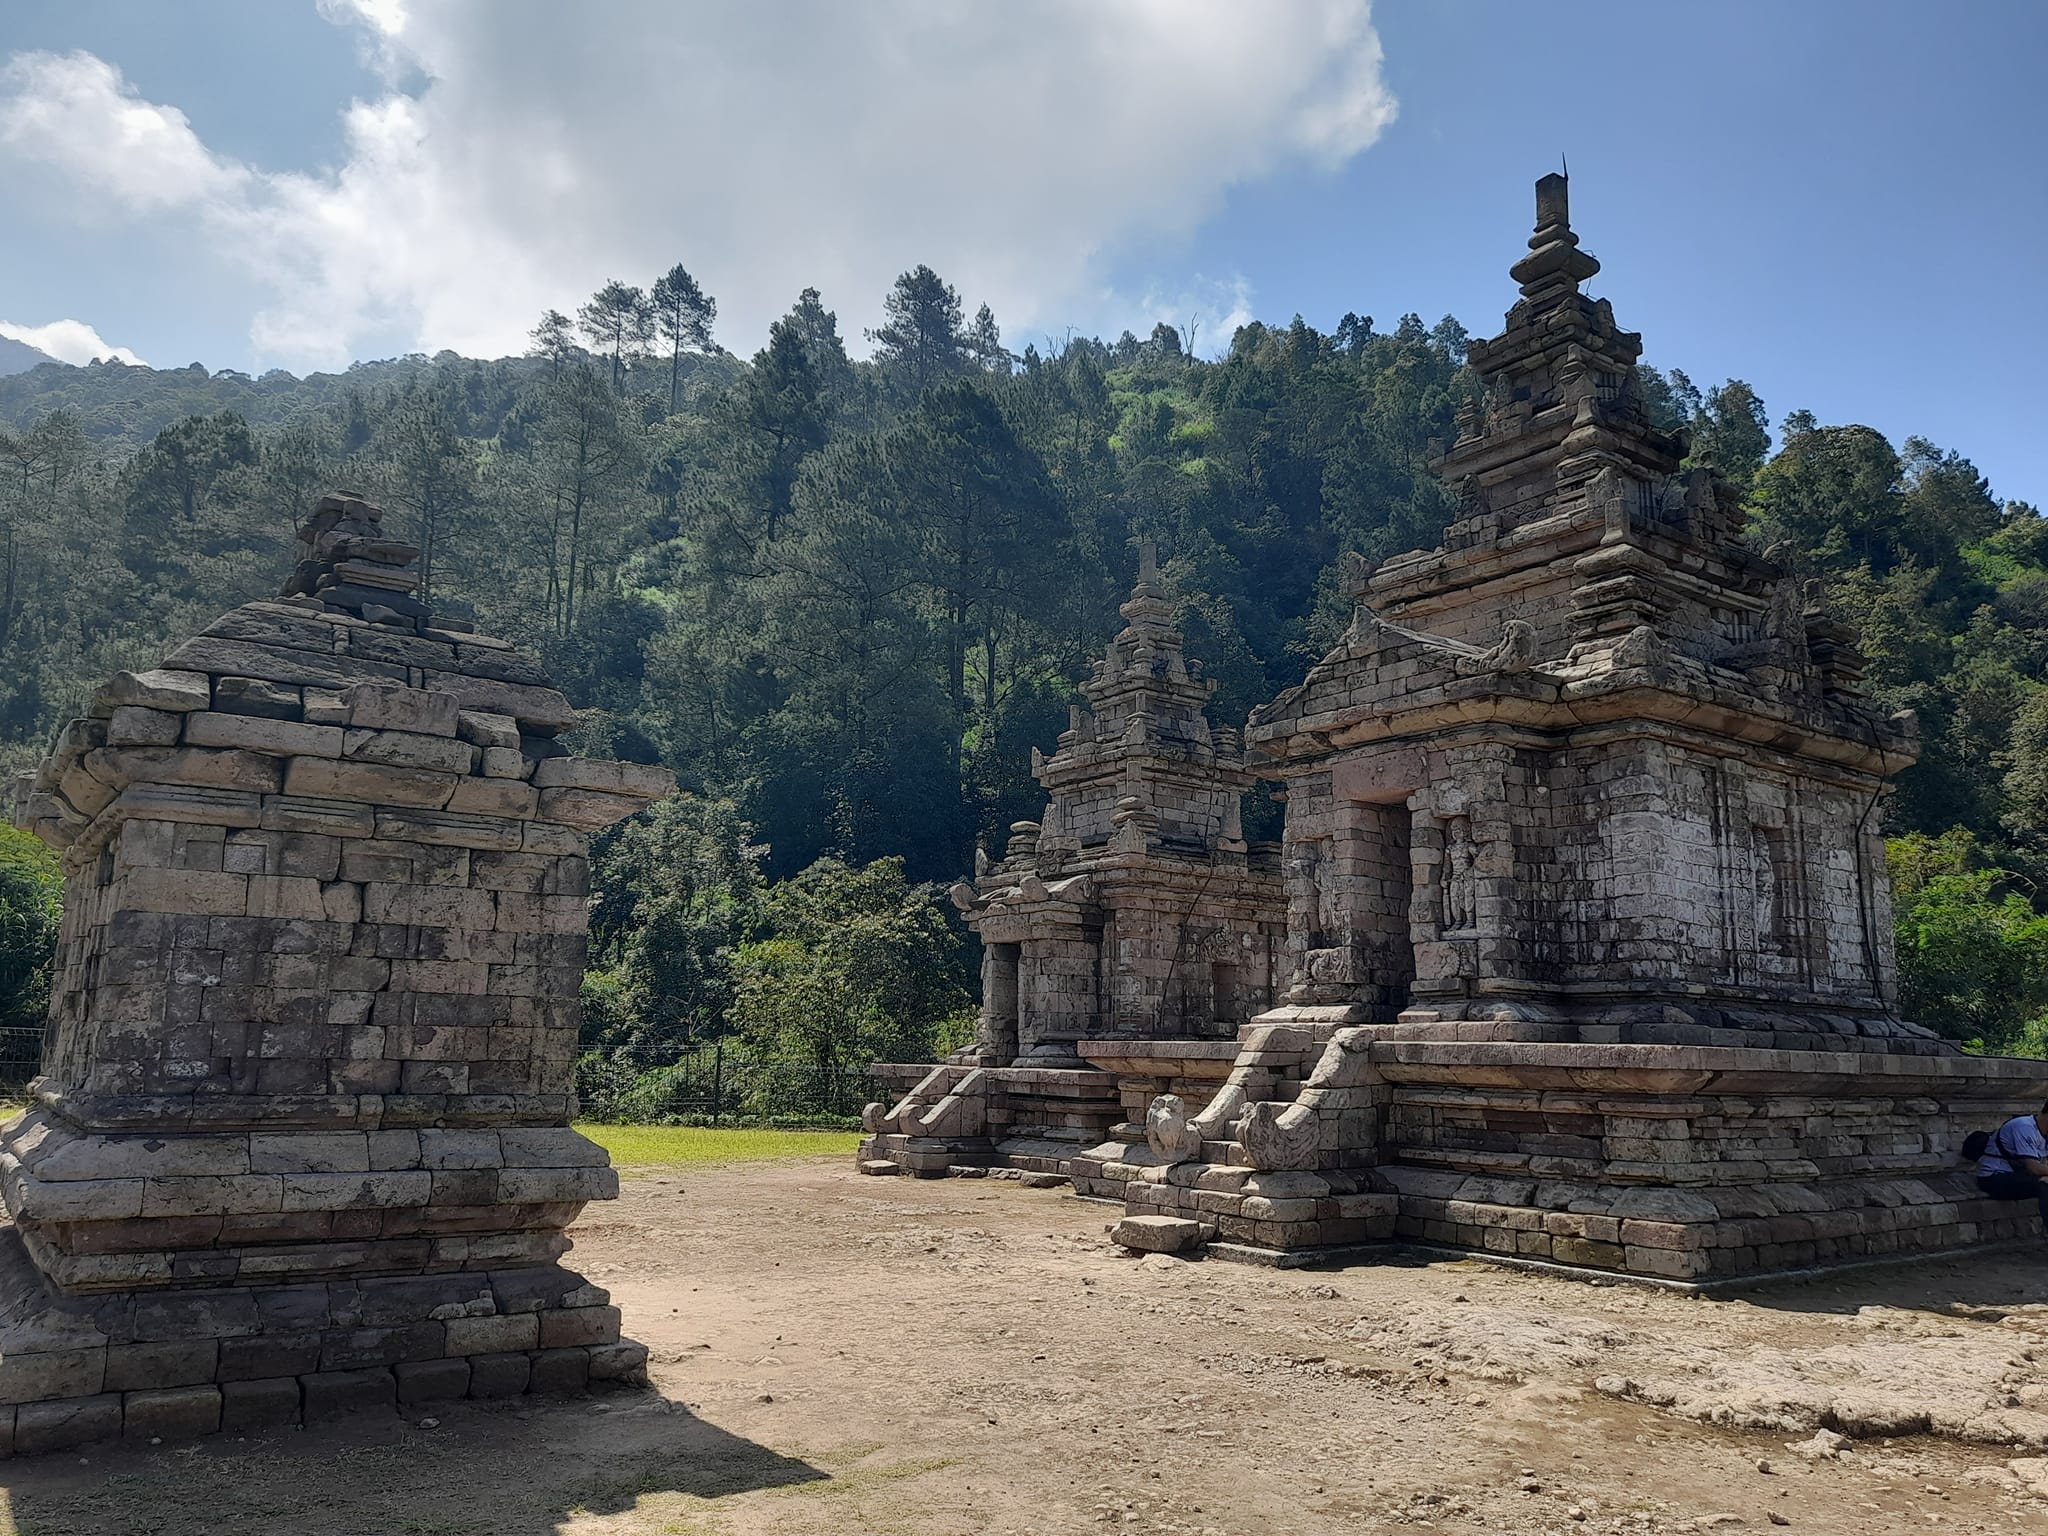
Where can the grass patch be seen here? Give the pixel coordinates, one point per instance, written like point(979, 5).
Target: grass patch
point(691, 1146)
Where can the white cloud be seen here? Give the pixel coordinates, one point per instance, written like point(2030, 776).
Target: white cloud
point(70, 341)
point(525, 151)
point(75, 114)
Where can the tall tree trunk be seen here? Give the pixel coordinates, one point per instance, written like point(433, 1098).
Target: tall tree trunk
point(554, 598)
point(576, 534)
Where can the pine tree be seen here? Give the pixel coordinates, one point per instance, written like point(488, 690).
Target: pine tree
point(683, 314)
point(921, 343)
point(619, 322)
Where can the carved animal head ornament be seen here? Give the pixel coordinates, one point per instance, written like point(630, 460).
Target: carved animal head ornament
point(1515, 651)
point(1354, 574)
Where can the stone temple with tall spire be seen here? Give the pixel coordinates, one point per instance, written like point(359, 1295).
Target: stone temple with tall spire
point(1128, 932)
point(1588, 953)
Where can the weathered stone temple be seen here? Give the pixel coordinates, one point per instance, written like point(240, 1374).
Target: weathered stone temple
point(1588, 940)
point(1127, 935)
point(301, 1141)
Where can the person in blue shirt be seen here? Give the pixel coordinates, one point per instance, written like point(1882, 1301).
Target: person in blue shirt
point(2015, 1165)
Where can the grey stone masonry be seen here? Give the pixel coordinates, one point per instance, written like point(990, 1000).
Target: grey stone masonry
point(1135, 910)
point(1588, 956)
point(1594, 768)
point(306, 1089)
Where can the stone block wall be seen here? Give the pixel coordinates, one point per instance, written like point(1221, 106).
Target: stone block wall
point(1623, 881)
point(174, 1364)
point(1754, 878)
point(304, 1111)
point(1672, 1163)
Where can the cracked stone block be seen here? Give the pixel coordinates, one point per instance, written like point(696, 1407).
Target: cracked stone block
point(1158, 1234)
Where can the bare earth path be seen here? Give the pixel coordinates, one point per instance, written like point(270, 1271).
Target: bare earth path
point(838, 1355)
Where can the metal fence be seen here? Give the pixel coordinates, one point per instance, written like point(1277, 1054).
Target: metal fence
point(717, 1084)
point(21, 1058)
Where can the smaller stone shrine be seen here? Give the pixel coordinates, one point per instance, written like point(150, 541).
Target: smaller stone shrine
point(1126, 936)
point(301, 1141)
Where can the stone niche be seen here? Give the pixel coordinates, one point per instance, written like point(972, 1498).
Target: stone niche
point(301, 1140)
point(1588, 954)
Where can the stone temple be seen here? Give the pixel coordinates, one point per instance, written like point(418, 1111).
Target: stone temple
point(1587, 927)
point(301, 1141)
point(1131, 932)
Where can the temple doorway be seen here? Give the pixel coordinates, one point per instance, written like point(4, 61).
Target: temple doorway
point(1382, 880)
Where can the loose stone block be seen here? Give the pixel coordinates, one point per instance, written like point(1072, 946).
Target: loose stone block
point(269, 1356)
point(586, 809)
point(324, 706)
point(202, 767)
point(488, 730)
point(322, 779)
point(255, 696)
point(486, 1335)
point(541, 711)
point(1158, 1234)
point(614, 778)
point(499, 795)
point(27, 1376)
point(165, 1363)
point(408, 749)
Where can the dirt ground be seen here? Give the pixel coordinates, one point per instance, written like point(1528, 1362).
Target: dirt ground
point(836, 1355)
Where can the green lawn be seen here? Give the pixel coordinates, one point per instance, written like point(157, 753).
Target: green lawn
point(686, 1146)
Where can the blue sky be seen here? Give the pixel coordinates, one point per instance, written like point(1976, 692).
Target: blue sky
point(1844, 203)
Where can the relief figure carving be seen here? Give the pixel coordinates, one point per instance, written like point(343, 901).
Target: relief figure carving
point(1461, 876)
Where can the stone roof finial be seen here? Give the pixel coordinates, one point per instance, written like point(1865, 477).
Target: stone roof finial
point(352, 564)
point(1147, 607)
point(1555, 266)
point(1554, 202)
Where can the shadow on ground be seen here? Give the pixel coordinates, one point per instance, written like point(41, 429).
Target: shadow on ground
point(1985, 1286)
point(526, 1466)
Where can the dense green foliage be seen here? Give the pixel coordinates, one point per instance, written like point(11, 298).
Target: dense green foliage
point(30, 886)
point(845, 598)
point(1973, 952)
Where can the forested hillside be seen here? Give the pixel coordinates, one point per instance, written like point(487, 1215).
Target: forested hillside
point(845, 598)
